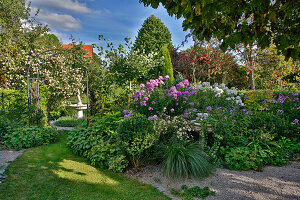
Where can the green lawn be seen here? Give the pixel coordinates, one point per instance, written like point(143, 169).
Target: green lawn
point(53, 172)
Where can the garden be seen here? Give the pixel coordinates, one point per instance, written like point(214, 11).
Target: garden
point(227, 103)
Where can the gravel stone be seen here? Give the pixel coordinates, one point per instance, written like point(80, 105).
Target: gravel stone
point(273, 183)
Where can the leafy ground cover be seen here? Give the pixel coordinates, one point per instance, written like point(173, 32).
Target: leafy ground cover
point(53, 172)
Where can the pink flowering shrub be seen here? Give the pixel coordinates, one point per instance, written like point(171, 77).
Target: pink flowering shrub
point(154, 98)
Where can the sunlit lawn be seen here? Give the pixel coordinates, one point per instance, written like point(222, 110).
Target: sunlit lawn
point(53, 172)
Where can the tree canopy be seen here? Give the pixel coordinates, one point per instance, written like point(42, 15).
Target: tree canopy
point(152, 36)
point(240, 21)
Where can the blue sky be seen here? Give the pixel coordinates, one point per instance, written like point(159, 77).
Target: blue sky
point(115, 19)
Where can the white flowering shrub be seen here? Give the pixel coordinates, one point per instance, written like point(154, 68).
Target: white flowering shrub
point(180, 126)
point(218, 94)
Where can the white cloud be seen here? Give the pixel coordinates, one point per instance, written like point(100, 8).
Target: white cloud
point(69, 5)
point(59, 21)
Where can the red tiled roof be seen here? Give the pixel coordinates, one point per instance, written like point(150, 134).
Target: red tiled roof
point(87, 48)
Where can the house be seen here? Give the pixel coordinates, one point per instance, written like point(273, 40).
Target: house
point(87, 48)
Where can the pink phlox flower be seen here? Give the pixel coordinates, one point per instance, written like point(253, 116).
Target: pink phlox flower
point(143, 103)
point(186, 82)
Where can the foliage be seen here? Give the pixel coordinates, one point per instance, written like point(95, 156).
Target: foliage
point(190, 193)
point(182, 159)
point(253, 98)
point(53, 167)
point(19, 138)
point(152, 36)
point(18, 30)
point(69, 121)
point(239, 22)
point(241, 139)
point(14, 103)
point(167, 68)
point(206, 62)
point(99, 143)
point(274, 72)
point(127, 65)
point(136, 135)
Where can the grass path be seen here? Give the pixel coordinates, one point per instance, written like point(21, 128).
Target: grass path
point(52, 172)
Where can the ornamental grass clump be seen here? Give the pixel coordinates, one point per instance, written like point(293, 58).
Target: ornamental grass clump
point(182, 159)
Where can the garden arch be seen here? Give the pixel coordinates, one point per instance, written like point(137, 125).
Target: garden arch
point(37, 78)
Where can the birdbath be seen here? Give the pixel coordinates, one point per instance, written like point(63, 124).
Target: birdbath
point(79, 106)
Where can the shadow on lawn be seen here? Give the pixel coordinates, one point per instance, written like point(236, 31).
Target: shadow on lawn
point(53, 172)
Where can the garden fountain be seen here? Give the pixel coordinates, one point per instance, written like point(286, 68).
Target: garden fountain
point(79, 106)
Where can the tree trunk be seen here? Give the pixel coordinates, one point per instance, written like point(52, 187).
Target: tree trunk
point(252, 68)
point(129, 95)
point(252, 80)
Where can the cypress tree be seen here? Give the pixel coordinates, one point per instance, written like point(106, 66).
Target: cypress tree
point(152, 36)
point(167, 67)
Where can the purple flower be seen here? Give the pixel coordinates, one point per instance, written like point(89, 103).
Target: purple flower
point(180, 85)
point(142, 85)
point(190, 88)
point(136, 106)
point(191, 103)
point(186, 82)
point(186, 114)
point(167, 76)
point(172, 110)
point(136, 99)
point(150, 86)
point(194, 92)
point(186, 93)
point(146, 98)
point(208, 108)
point(267, 109)
point(125, 111)
point(184, 102)
point(234, 121)
point(153, 102)
point(176, 104)
point(160, 77)
point(162, 97)
point(296, 121)
point(194, 110)
point(280, 111)
point(143, 103)
point(127, 116)
point(151, 118)
point(150, 108)
point(225, 117)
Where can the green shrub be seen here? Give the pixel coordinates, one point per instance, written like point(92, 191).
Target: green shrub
point(253, 98)
point(190, 193)
point(107, 155)
point(99, 143)
point(136, 135)
point(167, 68)
point(82, 139)
point(14, 103)
point(182, 159)
point(19, 138)
point(69, 121)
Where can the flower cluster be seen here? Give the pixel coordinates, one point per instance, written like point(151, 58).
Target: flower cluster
point(221, 90)
point(152, 100)
point(179, 124)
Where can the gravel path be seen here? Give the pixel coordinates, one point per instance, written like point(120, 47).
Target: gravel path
point(6, 156)
point(273, 183)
